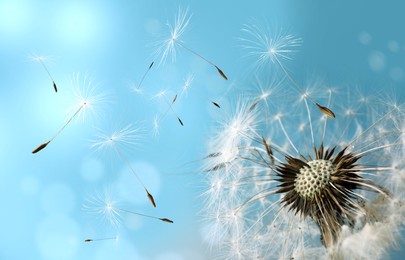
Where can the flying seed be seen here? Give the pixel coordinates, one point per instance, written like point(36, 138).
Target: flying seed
point(166, 220)
point(215, 104)
point(150, 197)
point(144, 75)
point(167, 46)
point(144, 215)
point(221, 73)
point(187, 86)
point(150, 66)
point(325, 111)
point(41, 60)
point(40, 147)
point(202, 57)
point(125, 160)
point(171, 108)
point(99, 239)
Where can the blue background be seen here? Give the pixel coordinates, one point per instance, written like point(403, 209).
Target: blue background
point(361, 43)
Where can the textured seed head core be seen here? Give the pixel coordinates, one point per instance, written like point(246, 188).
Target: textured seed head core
point(311, 180)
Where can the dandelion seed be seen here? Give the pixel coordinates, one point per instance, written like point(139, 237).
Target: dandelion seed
point(99, 239)
point(166, 220)
point(202, 57)
point(143, 77)
point(126, 136)
point(107, 209)
point(215, 104)
point(167, 46)
point(151, 199)
point(162, 94)
point(42, 59)
point(275, 49)
point(266, 47)
point(147, 216)
point(269, 151)
point(85, 100)
point(187, 87)
point(40, 147)
point(326, 111)
point(306, 191)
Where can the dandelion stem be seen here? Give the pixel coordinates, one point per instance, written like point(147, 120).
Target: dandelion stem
point(144, 75)
point(170, 107)
point(372, 126)
point(147, 216)
point(124, 159)
point(286, 135)
point(326, 119)
point(49, 74)
point(70, 119)
point(42, 146)
point(323, 109)
point(310, 123)
point(202, 57)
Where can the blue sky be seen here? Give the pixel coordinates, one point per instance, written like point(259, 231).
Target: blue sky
point(360, 43)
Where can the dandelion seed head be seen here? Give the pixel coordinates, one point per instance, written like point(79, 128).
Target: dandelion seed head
point(312, 180)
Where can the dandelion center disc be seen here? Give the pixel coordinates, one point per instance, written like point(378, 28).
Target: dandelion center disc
point(311, 180)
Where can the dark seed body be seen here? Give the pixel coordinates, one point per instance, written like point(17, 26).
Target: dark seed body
point(166, 220)
point(40, 147)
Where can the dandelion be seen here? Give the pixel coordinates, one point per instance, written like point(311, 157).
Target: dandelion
point(42, 60)
point(85, 99)
point(168, 45)
point(107, 209)
point(274, 50)
point(305, 186)
point(126, 136)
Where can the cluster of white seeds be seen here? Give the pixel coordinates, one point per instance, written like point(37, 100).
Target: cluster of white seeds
point(311, 180)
